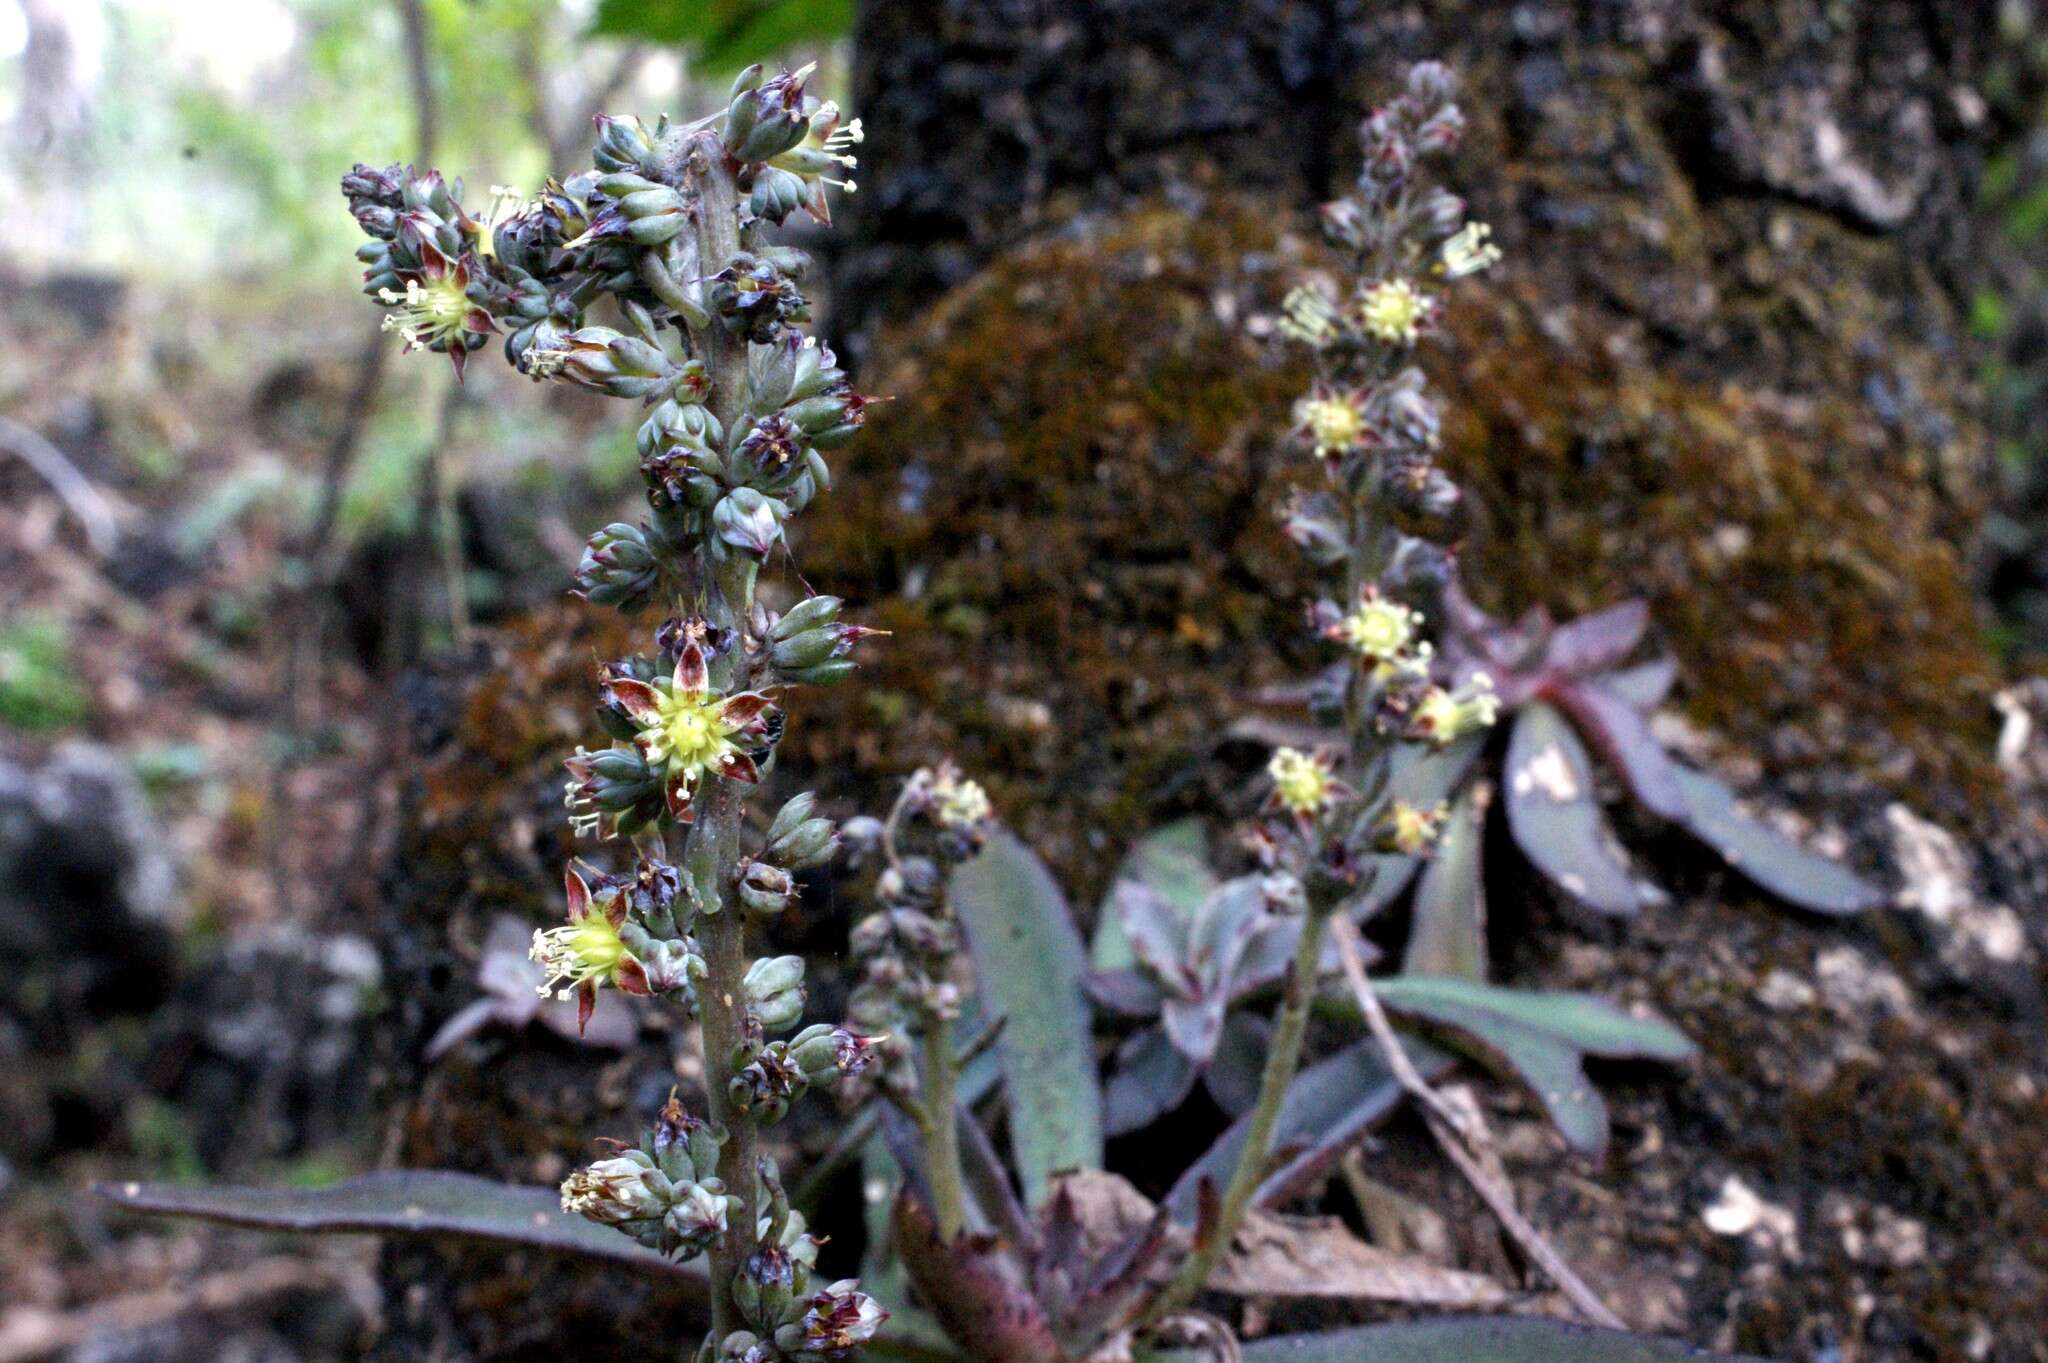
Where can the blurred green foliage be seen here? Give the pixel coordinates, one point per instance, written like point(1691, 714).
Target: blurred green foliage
point(39, 691)
point(725, 35)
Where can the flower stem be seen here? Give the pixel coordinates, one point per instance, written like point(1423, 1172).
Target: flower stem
point(1290, 1025)
point(714, 842)
point(942, 1131)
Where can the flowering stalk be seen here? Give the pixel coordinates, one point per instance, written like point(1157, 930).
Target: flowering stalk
point(908, 952)
point(1380, 525)
point(672, 224)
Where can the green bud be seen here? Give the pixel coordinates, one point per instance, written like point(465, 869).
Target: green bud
point(804, 650)
point(828, 673)
point(625, 144)
point(774, 991)
point(618, 569)
point(748, 521)
point(807, 614)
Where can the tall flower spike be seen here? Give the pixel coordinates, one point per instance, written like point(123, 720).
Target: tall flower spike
point(687, 731)
point(588, 951)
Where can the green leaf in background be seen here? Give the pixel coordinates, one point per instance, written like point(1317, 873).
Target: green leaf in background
point(1449, 935)
point(1028, 963)
point(411, 1202)
point(1174, 862)
point(39, 689)
point(1555, 818)
point(1776, 863)
point(1541, 1039)
point(726, 34)
point(1473, 1339)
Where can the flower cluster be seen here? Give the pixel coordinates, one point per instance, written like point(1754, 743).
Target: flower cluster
point(908, 949)
point(671, 225)
point(1385, 517)
point(664, 1192)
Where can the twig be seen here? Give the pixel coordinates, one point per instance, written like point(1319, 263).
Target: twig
point(72, 487)
point(1459, 1142)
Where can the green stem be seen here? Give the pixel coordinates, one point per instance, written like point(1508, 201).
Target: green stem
point(714, 843)
point(1283, 1057)
point(942, 1132)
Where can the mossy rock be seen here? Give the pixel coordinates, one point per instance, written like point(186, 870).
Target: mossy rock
point(1066, 518)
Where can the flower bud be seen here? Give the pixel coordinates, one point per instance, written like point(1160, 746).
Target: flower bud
point(618, 569)
point(809, 843)
point(770, 118)
point(606, 361)
point(771, 453)
point(678, 424)
point(774, 991)
point(840, 1320)
point(625, 1188)
point(748, 521)
point(766, 889)
point(698, 1217)
point(823, 1054)
point(752, 297)
point(652, 216)
point(613, 786)
point(625, 144)
point(1343, 224)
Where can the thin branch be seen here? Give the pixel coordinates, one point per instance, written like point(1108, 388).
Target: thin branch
point(73, 488)
point(1460, 1142)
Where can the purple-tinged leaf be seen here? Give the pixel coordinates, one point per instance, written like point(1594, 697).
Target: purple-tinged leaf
point(411, 1202)
point(1766, 857)
point(972, 1285)
point(1644, 686)
point(1473, 1339)
point(1173, 862)
point(1127, 993)
point(1555, 819)
point(1028, 962)
point(1232, 1078)
point(1596, 642)
point(1449, 932)
point(1156, 932)
point(1194, 1027)
point(1328, 1107)
point(1151, 1079)
point(1540, 1039)
point(1623, 738)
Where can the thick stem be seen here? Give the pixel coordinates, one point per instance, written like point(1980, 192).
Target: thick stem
point(1290, 1025)
point(942, 1132)
point(714, 843)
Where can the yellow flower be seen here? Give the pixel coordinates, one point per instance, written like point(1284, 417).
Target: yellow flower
point(587, 952)
point(957, 803)
point(1334, 425)
point(1443, 716)
point(687, 731)
point(1411, 831)
point(430, 311)
point(1393, 311)
point(1301, 783)
point(1378, 628)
